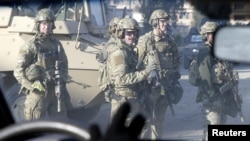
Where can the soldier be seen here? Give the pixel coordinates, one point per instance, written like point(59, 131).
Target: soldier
point(121, 67)
point(112, 28)
point(103, 78)
point(36, 71)
point(218, 83)
point(166, 90)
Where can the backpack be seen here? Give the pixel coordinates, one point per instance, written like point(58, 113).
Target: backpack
point(103, 76)
point(193, 74)
point(103, 79)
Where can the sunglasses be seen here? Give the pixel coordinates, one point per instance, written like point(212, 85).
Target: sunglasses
point(129, 33)
point(163, 20)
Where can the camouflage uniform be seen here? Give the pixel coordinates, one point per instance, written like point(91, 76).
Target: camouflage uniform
point(35, 71)
point(125, 79)
point(102, 57)
point(214, 75)
point(167, 51)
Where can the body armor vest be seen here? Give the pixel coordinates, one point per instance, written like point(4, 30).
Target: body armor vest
point(46, 54)
point(165, 53)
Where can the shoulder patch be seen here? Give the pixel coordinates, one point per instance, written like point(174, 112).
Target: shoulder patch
point(118, 60)
point(117, 57)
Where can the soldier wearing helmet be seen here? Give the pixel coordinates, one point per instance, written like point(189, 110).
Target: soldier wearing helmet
point(45, 16)
point(161, 45)
point(215, 74)
point(128, 26)
point(36, 70)
point(208, 30)
point(113, 25)
point(159, 21)
point(102, 57)
point(121, 68)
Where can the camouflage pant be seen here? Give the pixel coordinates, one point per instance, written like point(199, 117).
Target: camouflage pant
point(136, 108)
point(212, 114)
point(38, 104)
point(156, 105)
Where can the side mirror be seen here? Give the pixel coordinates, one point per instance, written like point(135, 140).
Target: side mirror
point(233, 44)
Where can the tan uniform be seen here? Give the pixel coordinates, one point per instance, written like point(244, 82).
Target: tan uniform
point(214, 74)
point(125, 79)
point(156, 98)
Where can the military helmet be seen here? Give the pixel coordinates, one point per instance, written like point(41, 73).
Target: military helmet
point(34, 72)
point(44, 15)
point(126, 23)
point(114, 21)
point(157, 14)
point(209, 27)
point(113, 25)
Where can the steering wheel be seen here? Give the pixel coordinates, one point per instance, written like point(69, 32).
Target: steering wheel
point(31, 127)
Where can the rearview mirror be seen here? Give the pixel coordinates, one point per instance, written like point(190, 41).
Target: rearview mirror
point(233, 44)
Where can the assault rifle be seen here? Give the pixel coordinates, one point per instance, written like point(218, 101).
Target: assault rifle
point(164, 91)
point(232, 84)
point(58, 84)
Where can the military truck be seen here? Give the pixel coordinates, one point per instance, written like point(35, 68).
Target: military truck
point(80, 25)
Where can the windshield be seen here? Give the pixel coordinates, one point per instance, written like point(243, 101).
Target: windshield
point(81, 27)
point(96, 9)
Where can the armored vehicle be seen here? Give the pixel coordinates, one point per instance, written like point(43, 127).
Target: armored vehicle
point(80, 25)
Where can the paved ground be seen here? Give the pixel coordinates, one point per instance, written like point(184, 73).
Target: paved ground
point(187, 124)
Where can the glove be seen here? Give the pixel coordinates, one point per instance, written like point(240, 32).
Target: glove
point(39, 86)
point(152, 65)
point(152, 75)
point(153, 79)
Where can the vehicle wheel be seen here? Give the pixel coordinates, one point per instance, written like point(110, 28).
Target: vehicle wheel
point(186, 62)
point(31, 128)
